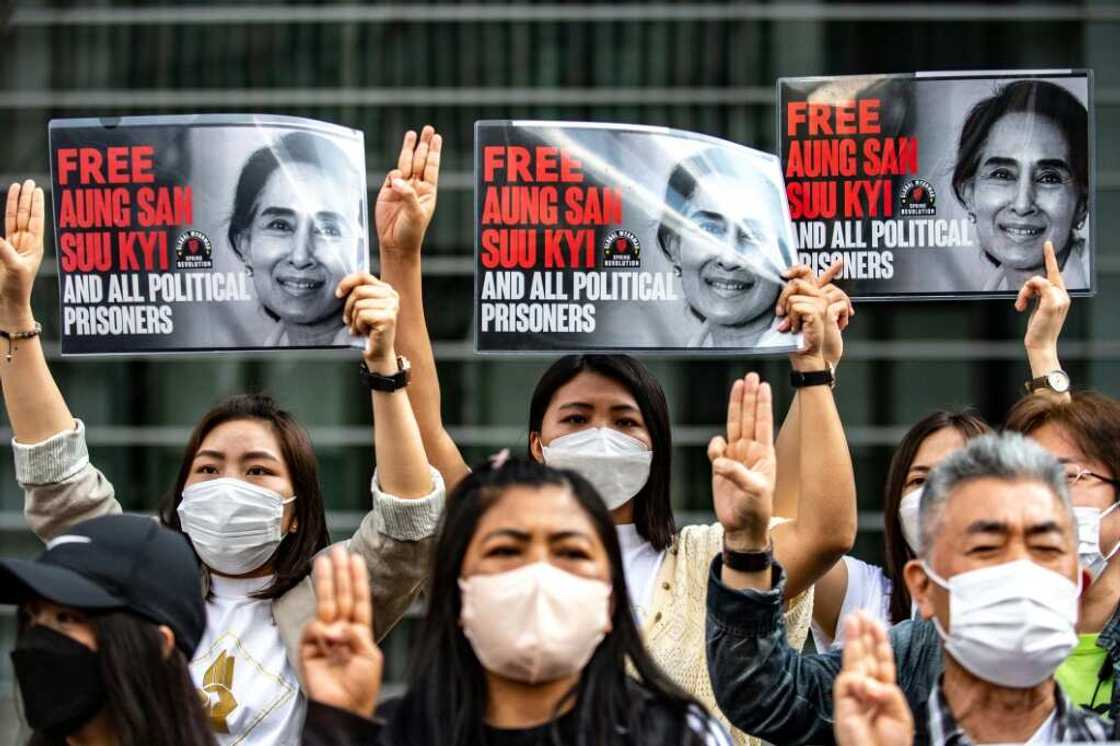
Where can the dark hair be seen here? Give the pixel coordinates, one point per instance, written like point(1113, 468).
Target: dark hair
point(150, 697)
point(1091, 420)
point(681, 187)
point(292, 560)
point(969, 424)
point(296, 147)
point(446, 699)
point(653, 509)
point(1037, 98)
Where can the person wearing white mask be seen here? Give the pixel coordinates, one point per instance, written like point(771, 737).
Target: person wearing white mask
point(853, 584)
point(1083, 432)
point(247, 492)
point(996, 582)
point(527, 638)
point(607, 418)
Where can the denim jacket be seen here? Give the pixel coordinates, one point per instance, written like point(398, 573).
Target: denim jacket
point(770, 690)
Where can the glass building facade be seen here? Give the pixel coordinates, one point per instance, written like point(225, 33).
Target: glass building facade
point(383, 68)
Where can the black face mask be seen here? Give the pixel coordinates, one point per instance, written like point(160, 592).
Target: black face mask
point(59, 681)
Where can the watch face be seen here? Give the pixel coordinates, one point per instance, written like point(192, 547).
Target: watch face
point(1058, 380)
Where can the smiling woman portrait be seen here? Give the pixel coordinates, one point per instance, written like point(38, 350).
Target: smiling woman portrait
point(1022, 173)
point(297, 225)
point(721, 230)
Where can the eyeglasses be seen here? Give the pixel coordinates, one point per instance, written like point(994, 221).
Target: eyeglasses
point(1075, 476)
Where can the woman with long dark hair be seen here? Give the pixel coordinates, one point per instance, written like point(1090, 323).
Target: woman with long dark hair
point(528, 636)
point(109, 616)
point(246, 493)
point(880, 591)
point(607, 418)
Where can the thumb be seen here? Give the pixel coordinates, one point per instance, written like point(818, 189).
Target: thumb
point(8, 254)
point(740, 475)
point(407, 194)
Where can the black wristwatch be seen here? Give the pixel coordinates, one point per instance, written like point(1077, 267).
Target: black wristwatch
point(800, 379)
point(748, 561)
point(388, 384)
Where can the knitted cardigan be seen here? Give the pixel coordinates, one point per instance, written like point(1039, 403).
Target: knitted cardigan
point(674, 627)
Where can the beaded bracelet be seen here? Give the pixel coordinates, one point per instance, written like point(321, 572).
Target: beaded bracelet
point(20, 335)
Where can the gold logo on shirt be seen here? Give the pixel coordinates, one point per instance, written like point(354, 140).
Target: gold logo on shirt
point(217, 692)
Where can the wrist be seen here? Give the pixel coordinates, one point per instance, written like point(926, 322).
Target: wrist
point(1043, 360)
point(747, 540)
point(17, 320)
point(382, 364)
point(399, 254)
point(807, 362)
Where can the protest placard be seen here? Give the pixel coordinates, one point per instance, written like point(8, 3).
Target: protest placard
point(206, 232)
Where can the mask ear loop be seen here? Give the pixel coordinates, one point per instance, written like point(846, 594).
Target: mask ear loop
point(1116, 546)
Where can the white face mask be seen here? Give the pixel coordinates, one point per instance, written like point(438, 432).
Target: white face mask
point(616, 464)
point(1089, 539)
point(909, 507)
point(1010, 624)
point(536, 623)
point(234, 525)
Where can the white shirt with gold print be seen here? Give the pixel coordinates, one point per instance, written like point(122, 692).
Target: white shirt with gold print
point(248, 686)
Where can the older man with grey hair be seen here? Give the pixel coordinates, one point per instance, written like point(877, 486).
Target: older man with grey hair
point(996, 586)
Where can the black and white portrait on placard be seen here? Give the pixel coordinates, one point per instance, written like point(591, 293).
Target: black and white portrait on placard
point(269, 215)
point(621, 237)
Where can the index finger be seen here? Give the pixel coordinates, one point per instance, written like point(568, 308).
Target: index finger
point(23, 217)
point(831, 273)
point(359, 583)
point(404, 160)
point(353, 280)
point(1053, 273)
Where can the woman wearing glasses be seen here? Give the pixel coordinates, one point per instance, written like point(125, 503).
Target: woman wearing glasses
point(1084, 433)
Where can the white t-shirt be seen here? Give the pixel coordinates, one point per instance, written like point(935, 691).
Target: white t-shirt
point(1046, 733)
point(869, 589)
point(641, 562)
point(242, 669)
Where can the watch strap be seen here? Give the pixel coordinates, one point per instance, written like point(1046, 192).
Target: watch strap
point(800, 379)
point(749, 561)
point(387, 384)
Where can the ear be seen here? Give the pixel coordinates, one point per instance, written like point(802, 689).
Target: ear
point(919, 585)
point(670, 244)
point(968, 188)
point(167, 646)
point(536, 448)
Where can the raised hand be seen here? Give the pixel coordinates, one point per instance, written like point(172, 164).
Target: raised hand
point(342, 665)
point(744, 466)
point(869, 708)
point(407, 199)
point(803, 306)
point(21, 253)
point(1049, 314)
point(371, 311)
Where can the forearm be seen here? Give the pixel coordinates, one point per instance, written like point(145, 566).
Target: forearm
point(825, 527)
point(763, 686)
point(35, 406)
point(786, 488)
point(403, 272)
point(402, 464)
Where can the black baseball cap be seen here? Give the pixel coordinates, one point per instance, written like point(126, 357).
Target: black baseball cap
point(126, 562)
